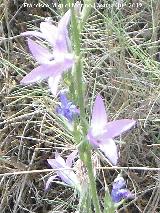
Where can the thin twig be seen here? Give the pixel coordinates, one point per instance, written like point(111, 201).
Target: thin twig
point(130, 168)
point(53, 170)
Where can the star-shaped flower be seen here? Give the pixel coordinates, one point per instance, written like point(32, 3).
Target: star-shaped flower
point(101, 133)
point(52, 63)
point(65, 172)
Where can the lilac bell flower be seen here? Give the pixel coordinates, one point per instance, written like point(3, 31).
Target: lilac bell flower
point(101, 133)
point(66, 174)
point(52, 63)
point(119, 190)
point(66, 108)
point(55, 35)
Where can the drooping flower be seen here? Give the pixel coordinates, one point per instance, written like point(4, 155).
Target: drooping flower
point(66, 108)
point(65, 172)
point(101, 133)
point(119, 190)
point(52, 63)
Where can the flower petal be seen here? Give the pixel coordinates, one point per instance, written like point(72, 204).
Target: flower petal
point(53, 82)
point(64, 21)
point(49, 181)
point(61, 57)
point(41, 54)
point(49, 31)
point(99, 116)
point(45, 71)
point(71, 158)
point(40, 73)
point(59, 159)
point(66, 108)
point(119, 183)
point(63, 99)
point(66, 175)
point(92, 139)
point(109, 148)
point(56, 164)
point(116, 128)
point(63, 42)
point(118, 195)
point(35, 75)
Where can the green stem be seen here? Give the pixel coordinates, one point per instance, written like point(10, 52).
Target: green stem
point(78, 69)
point(86, 153)
point(92, 181)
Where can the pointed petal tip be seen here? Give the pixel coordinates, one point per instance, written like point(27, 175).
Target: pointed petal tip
point(24, 81)
point(49, 161)
point(99, 116)
point(114, 161)
point(27, 80)
point(98, 98)
point(65, 19)
point(131, 123)
point(134, 122)
point(118, 127)
point(48, 183)
point(70, 159)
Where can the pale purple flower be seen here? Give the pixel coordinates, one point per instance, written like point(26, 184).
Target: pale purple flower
point(101, 133)
point(52, 63)
point(65, 172)
point(57, 36)
point(119, 190)
point(66, 108)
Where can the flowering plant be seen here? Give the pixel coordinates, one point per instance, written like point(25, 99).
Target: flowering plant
point(101, 132)
point(54, 60)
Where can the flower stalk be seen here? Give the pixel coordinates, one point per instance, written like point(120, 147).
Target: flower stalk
point(85, 152)
point(99, 134)
point(78, 69)
point(88, 163)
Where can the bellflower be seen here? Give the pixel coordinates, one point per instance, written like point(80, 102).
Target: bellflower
point(101, 133)
point(66, 108)
point(57, 36)
point(52, 63)
point(65, 173)
point(119, 190)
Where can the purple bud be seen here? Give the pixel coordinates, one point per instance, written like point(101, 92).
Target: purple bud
point(119, 190)
point(119, 183)
point(66, 108)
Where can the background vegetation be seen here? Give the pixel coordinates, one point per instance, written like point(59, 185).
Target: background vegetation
point(122, 62)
